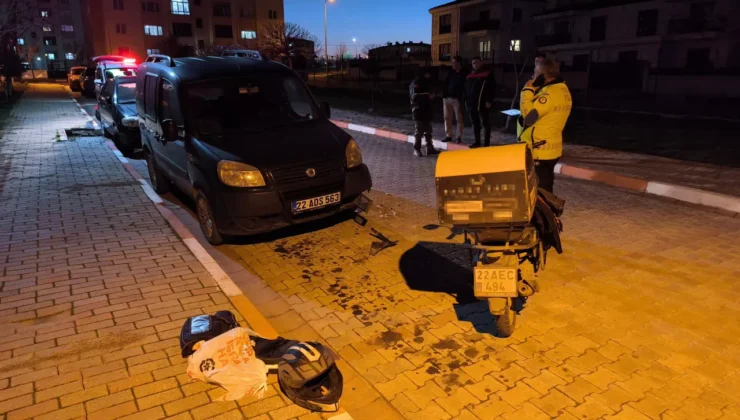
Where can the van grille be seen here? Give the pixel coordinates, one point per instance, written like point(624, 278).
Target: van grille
point(289, 176)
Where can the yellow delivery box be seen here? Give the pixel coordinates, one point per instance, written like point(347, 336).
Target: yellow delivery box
point(486, 186)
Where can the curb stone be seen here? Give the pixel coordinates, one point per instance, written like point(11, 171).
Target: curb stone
point(676, 192)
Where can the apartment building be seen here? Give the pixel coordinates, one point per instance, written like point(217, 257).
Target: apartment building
point(403, 52)
point(59, 39)
point(137, 28)
point(491, 29)
point(686, 35)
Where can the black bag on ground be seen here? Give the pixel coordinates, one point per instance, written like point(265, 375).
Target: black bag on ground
point(204, 328)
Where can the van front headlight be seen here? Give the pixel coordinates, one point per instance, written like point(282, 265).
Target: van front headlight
point(353, 154)
point(237, 174)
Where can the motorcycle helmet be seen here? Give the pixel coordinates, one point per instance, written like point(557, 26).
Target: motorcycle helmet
point(203, 328)
point(308, 376)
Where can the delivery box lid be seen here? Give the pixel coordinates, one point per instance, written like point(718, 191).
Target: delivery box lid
point(484, 160)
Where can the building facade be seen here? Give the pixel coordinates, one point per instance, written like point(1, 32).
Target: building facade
point(491, 29)
point(661, 34)
point(58, 41)
point(405, 52)
point(137, 28)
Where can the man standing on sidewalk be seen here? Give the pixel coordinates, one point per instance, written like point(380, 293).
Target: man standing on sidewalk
point(452, 96)
point(421, 112)
point(480, 88)
point(545, 106)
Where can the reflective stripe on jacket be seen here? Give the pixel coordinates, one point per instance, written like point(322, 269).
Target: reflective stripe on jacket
point(544, 114)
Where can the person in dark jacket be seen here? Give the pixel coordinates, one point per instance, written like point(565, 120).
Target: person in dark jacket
point(421, 111)
point(480, 88)
point(453, 97)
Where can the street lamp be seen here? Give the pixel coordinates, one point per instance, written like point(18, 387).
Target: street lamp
point(354, 41)
point(326, 40)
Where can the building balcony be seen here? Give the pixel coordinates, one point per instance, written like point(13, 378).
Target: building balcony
point(689, 26)
point(545, 40)
point(481, 25)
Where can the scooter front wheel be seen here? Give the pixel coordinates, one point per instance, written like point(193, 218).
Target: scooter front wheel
point(505, 322)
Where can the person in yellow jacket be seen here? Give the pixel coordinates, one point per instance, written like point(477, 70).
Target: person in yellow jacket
point(545, 106)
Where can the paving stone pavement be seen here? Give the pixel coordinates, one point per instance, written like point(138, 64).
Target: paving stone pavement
point(94, 285)
point(637, 319)
point(719, 179)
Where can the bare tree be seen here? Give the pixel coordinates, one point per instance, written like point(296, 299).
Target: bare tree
point(18, 16)
point(366, 49)
point(27, 53)
point(277, 40)
point(342, 50)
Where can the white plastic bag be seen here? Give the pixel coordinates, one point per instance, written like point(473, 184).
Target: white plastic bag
point(229, 361)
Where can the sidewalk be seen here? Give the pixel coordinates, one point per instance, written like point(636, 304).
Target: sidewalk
point(613, 167)
point(95, 284)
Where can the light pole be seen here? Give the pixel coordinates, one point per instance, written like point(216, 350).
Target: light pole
point(354, 41)
point(326, 40)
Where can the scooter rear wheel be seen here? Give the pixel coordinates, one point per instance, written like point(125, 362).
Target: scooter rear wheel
point(506, 322)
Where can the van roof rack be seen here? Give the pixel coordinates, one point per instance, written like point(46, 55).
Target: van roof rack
point(159, 58)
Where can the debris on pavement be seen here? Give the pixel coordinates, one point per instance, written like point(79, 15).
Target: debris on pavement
point(384, 243)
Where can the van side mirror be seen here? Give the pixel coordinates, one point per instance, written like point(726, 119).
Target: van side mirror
point(169, 130)
point(326, 109)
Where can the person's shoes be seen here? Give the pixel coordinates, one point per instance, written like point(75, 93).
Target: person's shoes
point(418, 153)
point(447, 139)
point(459, 140)
point(432, 152)
point(475, 145)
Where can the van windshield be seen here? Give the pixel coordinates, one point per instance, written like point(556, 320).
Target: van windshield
point(257, 102)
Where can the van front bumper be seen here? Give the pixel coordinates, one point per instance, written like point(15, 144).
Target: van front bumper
point(251, 212)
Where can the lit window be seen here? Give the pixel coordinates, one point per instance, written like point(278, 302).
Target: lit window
point(408, 49)
point(515, 45)
point(67, 28)
point(47, 28)
point(153, 30)
point(151, 51)
point(180, 7)
point(484, 49)
point(249, 34)
point(44, 13)
point(69, 56)
point(21, 41)
point(51, 56)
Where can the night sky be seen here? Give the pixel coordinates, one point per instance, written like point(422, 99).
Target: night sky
point(370, 21)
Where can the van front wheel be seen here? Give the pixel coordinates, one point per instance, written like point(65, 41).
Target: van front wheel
point(160, 184)
point(206, 220)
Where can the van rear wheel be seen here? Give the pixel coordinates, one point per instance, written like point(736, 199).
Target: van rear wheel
point(206, 220)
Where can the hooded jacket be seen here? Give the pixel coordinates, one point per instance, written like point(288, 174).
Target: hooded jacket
point(421, 105)
point(545, 110)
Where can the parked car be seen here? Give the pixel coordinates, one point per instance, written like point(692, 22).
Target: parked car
point(111, 69)
point(247, 141)
point(87, 81)
point(117, 110)
point(73, 78)
point(242, 53)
